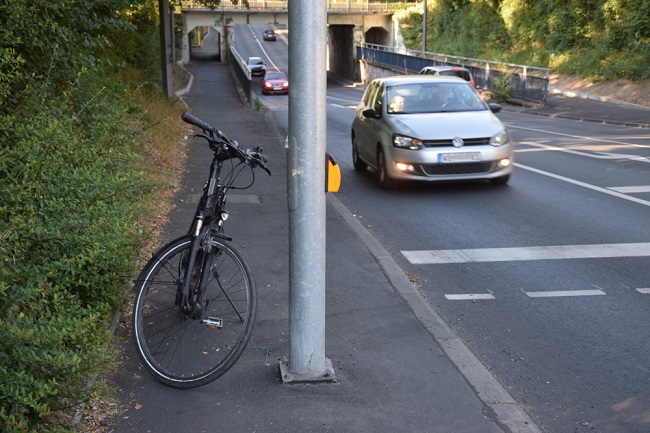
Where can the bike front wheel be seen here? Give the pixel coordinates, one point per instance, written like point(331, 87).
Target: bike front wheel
point(184, 349)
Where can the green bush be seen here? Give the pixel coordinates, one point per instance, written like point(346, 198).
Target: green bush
point(73, 191)
point(70, 199)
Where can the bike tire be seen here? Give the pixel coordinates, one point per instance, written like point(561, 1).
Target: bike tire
point(182, 351)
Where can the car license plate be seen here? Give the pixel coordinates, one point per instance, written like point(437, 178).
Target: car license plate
point(444, 158)
point(277, 87)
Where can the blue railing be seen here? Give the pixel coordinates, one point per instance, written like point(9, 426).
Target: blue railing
point(528, 83)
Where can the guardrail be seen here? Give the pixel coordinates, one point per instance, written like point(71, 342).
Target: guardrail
point(332, 5)
point(529, 83)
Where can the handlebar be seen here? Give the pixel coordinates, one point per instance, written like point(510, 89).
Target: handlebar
point(227, 148)
point(192, 120)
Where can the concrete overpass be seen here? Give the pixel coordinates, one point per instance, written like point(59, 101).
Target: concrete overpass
point(349, 23)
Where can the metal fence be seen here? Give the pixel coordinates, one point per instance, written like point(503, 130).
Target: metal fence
point(528, 83)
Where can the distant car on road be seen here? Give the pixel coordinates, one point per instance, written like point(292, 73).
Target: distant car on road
point(449, 71)
point(275, 82)
point(429, 128)
point(269, 35)
point(256, 66)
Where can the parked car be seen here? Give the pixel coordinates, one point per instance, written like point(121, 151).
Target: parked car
point(256, 66)
point(269, 35)
point(429, 128)
point(450, 71)
point(275, 82)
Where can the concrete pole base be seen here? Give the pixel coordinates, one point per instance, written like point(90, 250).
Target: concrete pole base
point(326, 376)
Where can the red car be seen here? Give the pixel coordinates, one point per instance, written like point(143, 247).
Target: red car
point(275, 82)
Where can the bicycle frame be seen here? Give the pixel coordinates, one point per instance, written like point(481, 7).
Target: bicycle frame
point(209, 210)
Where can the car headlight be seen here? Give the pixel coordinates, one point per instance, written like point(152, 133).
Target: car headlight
point(404, 142)
point(500, 139)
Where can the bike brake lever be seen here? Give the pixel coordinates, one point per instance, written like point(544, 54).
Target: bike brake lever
point(259, 160)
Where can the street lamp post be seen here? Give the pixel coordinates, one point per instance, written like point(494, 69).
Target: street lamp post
point(424, 29)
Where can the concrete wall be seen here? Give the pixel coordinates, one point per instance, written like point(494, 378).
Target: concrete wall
point(368, 71)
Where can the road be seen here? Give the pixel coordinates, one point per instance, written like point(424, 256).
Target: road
point(545, 279)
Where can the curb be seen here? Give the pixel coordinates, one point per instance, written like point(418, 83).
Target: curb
point(187, 88)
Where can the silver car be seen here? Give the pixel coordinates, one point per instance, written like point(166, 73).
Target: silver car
point(429, 128)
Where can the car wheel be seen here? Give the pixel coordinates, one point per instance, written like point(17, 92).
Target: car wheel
point(500, 180)
point(358, 163)
point(383, 179)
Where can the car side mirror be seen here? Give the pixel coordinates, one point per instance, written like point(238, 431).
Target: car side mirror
point(495, 108)
point(370, 113)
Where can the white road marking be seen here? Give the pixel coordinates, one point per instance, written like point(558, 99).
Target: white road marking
point(601, 140)
point(469, 296)
point(542, 294)
point(584, 185)
point(630, 189)
point(564, 293)
point(263, 50)
point(593, 154)
point(344, 106)
point(429, 257)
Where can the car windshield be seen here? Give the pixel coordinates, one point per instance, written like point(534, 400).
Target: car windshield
point(275, 76)
point(255, 62)
point(432, 98)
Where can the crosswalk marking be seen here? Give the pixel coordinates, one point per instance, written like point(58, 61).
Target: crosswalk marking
point(477, 255)
point(631, 189)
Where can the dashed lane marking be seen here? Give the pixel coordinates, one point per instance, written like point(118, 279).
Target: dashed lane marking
point(564, 293)
point(469, 296)
point(540, 294)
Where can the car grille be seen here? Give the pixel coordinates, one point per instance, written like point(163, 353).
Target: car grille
point(461, 168)
point(447, 142)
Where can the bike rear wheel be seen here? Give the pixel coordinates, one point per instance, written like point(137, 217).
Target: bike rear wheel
point(189, 350)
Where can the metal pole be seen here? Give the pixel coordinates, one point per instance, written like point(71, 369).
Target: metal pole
point(424, 29)
point(306, 193)
point(165, 44)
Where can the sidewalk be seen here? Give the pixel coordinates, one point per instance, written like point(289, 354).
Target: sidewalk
point(587, 107)
point(399, 368)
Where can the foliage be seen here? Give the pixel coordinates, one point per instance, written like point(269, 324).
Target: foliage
point(56, 39)
point(501, 89)
point(74, 184)
point(600, 39)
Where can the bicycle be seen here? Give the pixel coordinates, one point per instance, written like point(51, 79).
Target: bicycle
point(196, 298)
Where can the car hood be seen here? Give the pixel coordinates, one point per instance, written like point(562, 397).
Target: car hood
point(432, 126)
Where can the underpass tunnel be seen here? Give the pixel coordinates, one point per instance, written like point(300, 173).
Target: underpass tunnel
point(342, 39)
point(378, 36)
point(201, 39)
point(341, 50)
point(205, 43)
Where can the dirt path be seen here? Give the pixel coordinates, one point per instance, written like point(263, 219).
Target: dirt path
point(623, 90)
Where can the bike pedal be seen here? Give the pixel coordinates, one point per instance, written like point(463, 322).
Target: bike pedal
point(212, 322)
